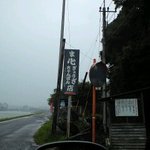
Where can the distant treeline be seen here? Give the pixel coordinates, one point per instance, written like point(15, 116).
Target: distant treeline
point(3, 106)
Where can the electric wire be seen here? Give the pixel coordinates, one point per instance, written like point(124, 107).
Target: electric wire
point(108, 7)
point(111, 18)
point(80, 51)
point(86, 54)
point(68, 16)
point(67, 26)
point(100, 31)
point(90, 52)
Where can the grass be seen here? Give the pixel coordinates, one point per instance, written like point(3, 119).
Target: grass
point(43, 135)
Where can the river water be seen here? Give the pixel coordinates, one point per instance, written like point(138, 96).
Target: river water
point(9, 114)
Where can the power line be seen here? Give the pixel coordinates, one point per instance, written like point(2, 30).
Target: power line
point(68, 18)
point(112, 17)
point(104, 11)
point(109, 7)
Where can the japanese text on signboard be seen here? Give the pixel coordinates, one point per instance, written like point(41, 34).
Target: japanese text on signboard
point(126, 107)
point(71, 69)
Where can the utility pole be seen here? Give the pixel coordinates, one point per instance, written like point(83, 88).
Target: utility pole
point(60, 66)
point(103, 58)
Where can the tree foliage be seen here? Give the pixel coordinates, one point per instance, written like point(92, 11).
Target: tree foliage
point(78, 101)
point(128, 46)
point(83, 96)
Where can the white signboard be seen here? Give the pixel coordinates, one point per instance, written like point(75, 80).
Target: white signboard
point(126, 107)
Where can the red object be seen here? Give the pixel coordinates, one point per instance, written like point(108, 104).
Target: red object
point(51, 107)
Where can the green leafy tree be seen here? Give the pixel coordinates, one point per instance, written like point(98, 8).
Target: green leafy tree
point(127, 47)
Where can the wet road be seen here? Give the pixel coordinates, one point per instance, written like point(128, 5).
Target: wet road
point(18, 134)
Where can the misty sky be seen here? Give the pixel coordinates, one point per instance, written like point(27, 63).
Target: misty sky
point(29, 45)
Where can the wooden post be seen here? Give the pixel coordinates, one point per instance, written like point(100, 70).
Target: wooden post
point(68, 116)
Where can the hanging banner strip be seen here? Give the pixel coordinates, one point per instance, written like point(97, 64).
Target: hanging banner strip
point(71, 71)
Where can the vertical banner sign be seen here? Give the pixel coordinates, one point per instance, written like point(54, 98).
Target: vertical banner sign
point(71, 71)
